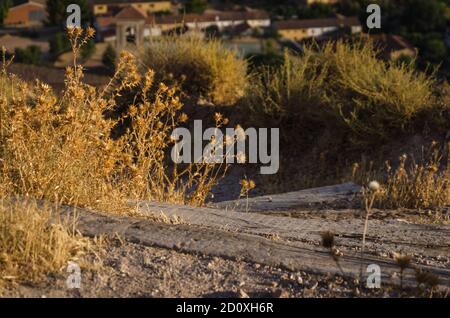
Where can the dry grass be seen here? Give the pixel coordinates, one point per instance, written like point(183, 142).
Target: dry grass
point(344, 90)
point(203, 69)
point(60, 149)
point(31, 246)
point(338, 103)
point(424, 184)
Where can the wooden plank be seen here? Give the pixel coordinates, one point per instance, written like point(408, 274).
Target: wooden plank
point(294, 256)
point(387, 235)
point(246, 243)
point(290, 200)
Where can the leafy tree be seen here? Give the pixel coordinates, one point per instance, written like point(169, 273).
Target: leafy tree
point(270, 59)
point(422, 22)
point(435, 50)
point(30, 55)
point(109, 57)
point(56, 10)
point(212, 31)
point(59, 43)
point(4, 7)
point(87, 50)
point(424, 16)
point(196, 6)
point(286, 11)
point(57, 14)
point(316, 11)
point(349, 7)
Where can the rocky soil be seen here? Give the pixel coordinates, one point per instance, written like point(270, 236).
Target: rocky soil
point(273, 251)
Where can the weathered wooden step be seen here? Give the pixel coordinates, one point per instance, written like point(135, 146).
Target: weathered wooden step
point(294, 256)
point(289, 200)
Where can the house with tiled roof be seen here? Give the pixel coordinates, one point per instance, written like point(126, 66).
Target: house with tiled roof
point(221, 20)
point(392, 47)
point(300, 29)
point(152, 25)
point(27, 14)
point(103, 7)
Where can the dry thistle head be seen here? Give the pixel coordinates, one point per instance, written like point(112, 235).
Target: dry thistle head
point(240, 133)
point(6, 62)
point(403, 260)
point(432, 168)
point(241, 157)
point(355, 168)
point(183, 118)
point(220, 119)
point(374, 186)
point(90, 32)
point(148, 80)
point(246, 186)
point(327, 239)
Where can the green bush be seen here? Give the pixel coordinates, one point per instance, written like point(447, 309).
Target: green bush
point(264, 59)
point(342, 89)
point(30, 55)
point(88, 50)
point(57, 14)
point(109, 57)
point(4, 8)
point(316, 11)
point(196, 6)
point(59, 43)
point(202, 68)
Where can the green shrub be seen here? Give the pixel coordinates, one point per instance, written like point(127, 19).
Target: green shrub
point(4, 8)
point(344, 89)
point(196, 6)
point(30, 55)
point(59, 43)
point(88, 50)
point(268, 59)
point(202, 68)
point(109, 57)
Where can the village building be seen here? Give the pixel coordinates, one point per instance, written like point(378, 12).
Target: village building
point(392, 47)
point(136, 25)
point(28, 14)
point(297, 30)
point(103, 7)
point(221, 20)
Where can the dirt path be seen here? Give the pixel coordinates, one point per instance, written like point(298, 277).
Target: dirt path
point(196, 252)
point(134, 270)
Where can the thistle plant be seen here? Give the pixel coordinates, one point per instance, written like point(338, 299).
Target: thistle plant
point(328, 242)
point(369, 195)
point(61, 147)
point(5, 61)
point(246, 187)
point(421, 184)
point(427, 279)
point(403, 261)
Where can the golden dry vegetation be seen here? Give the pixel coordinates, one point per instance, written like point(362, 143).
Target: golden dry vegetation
point(60, 149)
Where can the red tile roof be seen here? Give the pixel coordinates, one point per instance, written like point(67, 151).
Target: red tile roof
point(222, 16)
point(316, 23)
point(131, 13)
